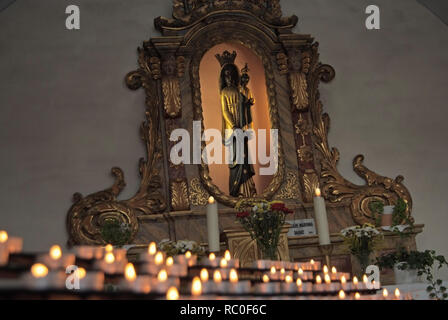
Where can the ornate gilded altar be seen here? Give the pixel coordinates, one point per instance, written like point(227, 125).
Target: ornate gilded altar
point(171, 198)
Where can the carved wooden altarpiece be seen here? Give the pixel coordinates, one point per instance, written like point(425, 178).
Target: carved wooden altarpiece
point(171, 198)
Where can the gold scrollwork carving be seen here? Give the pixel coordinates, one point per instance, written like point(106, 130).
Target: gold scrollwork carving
point(187, 14)
point(282, 63)
point(290, 189)
point(336, 188)
point(171, 96)
point(179, 195)
point(299, 88)
point(310, 183)
point(198, 195)
point(305, 153)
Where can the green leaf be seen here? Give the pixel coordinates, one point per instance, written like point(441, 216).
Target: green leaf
point(439, 282)
point(429, 288)
point(432, 295)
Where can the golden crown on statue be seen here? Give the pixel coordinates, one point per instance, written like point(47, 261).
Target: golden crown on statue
point(226, 57)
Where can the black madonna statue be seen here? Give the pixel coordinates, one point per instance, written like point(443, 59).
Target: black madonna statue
point(236, 102)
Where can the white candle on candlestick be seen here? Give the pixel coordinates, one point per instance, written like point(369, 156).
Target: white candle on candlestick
point(212, 226)
point(320, 213)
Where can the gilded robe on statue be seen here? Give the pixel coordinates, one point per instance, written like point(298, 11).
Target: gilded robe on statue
point(235, 108)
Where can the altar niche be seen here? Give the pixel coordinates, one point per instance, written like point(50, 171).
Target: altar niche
point(248, 64)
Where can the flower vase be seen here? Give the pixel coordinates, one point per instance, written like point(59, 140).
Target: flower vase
point(268, 252)
point(360, 263)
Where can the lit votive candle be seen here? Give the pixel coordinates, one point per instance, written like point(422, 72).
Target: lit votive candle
point(304, 287)
point(109, 265)
point(90, 281)
point(89, 252)
point(267, 287)
point(196, 287)
point(4, 251)
point(385, 294)
point(355, 283)
point(397, 294)
point(55, 259)
point(235, 286)
point(217, 279)
point(346, 286)
point(331, 286)
point(162, 283)
point(318, 285)
point(40, 278)
point(150, 254)
point(274, 275)
point(288, 286)
point(211, 261)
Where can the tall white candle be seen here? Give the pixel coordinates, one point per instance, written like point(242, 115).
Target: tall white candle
point(212, 225)
point(320, 213)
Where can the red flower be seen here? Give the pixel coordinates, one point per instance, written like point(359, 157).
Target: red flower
point(242, 214)
point(278, 206)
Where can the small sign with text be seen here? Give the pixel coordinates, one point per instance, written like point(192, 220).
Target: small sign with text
point(301, 227)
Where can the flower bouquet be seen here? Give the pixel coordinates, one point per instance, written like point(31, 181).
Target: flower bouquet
point(362, 241)
point(173, 248)
point(264, 221)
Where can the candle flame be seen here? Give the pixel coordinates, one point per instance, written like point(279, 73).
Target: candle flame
point(355, 280)
point(312, 261)
point(223, 263)
point(172, 294)
point(152, 248)
point(162, 276)
point(343, 280)
point(158, 259)
point(188, 254)
point(333, 270)
point(109, 248)
point(227, 255)
point(196, 287)
point(300, 271)
point(327, 278)
point(3, 236)
point(217, 278)
point(169, 261)
point(282, 270)
point(397, 293)
point(299, 282)
point(265, 278)
point(341, 294)
point(211, 200)
point(385, 293)
point(317, 192)
point(325, 269)
point(318, 279)
point(288, 279)
point(204, 275)
point(55, 252)
point(81, 273)
point(365, 279)
point(109, 258)
point(273, 270)
point(233, 276)
point(129, 272)
point(212, 256)
point(39, 270)
point(357, 296)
